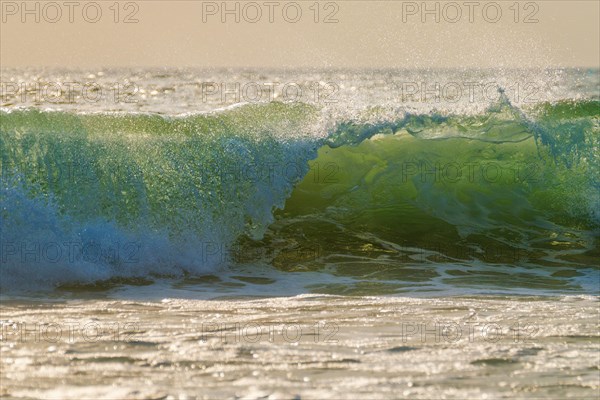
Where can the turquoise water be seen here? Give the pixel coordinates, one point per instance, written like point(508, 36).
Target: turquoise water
point(361, 197)
point(366, 245)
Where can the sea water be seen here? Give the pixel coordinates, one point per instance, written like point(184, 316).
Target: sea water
point(309, 233)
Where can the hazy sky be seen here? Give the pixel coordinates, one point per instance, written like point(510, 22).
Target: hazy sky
point(363, 33)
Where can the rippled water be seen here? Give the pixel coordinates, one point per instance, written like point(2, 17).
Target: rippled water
point(307, 346)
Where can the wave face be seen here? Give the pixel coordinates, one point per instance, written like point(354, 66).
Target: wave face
point(505, 195)
point(487, 200)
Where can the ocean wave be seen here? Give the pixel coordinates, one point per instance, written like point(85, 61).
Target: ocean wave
point(88, 197)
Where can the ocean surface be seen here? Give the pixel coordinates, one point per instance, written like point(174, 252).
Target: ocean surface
point(199, 219)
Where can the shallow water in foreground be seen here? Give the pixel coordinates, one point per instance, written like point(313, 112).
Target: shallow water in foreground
point(307, 346)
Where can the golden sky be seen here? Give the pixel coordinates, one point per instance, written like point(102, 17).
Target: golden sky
point(309, 33)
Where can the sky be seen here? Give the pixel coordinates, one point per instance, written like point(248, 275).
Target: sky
point(301, 33)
